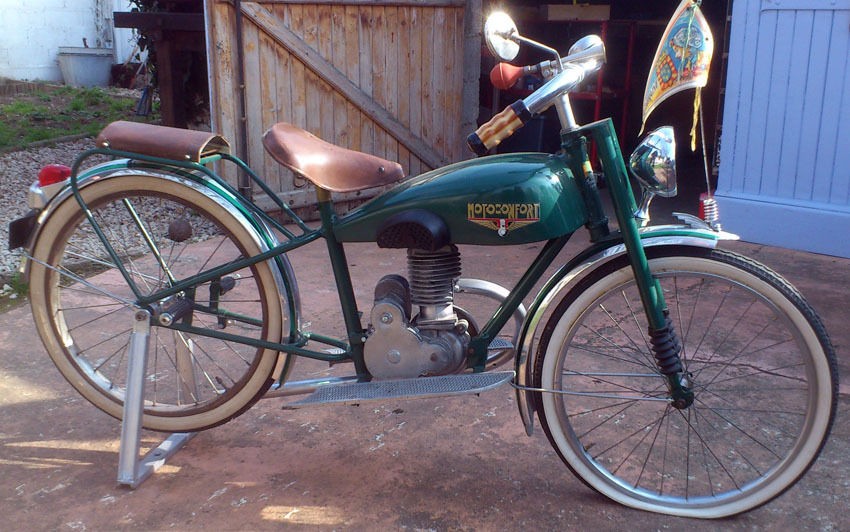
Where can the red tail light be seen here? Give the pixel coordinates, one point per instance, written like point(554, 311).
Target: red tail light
point(53, 173)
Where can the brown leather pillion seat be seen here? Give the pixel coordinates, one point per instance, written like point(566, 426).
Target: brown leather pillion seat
point(325, 165)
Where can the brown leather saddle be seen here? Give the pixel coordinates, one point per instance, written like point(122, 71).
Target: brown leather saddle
point(325, 165)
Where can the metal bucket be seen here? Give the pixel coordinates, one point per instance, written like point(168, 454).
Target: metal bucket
point(85, 67)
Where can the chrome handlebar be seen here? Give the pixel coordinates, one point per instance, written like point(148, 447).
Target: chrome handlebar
point(587, 56)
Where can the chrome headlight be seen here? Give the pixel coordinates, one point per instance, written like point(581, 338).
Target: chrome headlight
point(653, 163)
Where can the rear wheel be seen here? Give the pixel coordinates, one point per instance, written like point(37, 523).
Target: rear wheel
point(163, 230)
point(754, 352)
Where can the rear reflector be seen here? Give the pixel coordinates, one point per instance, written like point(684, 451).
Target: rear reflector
point(53, 173)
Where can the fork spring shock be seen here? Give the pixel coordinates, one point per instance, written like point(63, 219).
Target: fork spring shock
point(666, 347)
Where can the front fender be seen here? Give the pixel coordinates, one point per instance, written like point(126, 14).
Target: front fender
point(568, 275)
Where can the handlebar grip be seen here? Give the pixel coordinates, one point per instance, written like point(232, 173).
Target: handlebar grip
point(500, 127)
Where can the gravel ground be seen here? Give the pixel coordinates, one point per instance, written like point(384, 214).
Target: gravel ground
point(18, 170)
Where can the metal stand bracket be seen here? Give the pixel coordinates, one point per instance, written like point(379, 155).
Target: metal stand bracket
point(132, 471)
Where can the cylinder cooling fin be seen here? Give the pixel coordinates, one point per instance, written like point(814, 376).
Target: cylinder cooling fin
point(432, 276)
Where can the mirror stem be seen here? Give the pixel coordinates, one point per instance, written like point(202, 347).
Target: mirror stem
point(520, 39)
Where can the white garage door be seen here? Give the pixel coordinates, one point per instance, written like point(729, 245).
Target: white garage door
point(785, 151)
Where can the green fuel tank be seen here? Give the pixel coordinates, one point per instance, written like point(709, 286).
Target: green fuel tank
point(497, 200)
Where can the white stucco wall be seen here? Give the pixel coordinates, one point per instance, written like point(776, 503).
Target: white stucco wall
point(32, 32)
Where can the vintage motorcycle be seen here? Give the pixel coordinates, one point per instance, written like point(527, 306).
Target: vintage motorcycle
point(669, 375)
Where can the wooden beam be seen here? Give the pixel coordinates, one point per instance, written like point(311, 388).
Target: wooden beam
point(324, 69)
point(160, 21)
point(377, 3)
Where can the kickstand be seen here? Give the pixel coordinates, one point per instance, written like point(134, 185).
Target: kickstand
point(132, 471)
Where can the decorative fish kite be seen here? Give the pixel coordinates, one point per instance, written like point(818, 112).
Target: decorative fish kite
point(681, 61)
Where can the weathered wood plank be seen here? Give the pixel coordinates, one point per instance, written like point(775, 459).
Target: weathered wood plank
point(403, 80)
point(456, 100)
point(298, 82)
point(253, 91)
point(414, 89)
point(390, 74)
point(313, 97)
point(340, 105)
point(352, 72)
point(364, 32)
point(326, 94)
point(379, 67)
point(286, 99)
point(269, 106)
point(439, 78)
point(392, 46)
point(426, 44)
point(223, 93)
point(340, 82)
point(453, 86)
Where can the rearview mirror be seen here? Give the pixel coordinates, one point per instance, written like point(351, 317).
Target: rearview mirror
point(501, 36)
point(589, 51)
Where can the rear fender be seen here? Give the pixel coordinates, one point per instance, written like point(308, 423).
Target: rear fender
point(568, 275)
point(283, 274)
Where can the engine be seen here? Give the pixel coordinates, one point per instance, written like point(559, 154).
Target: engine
point(434, 341)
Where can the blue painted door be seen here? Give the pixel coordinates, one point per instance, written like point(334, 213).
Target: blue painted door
point(785, 151)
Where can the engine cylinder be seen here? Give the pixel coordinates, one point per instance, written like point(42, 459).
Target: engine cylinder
point(432, 276)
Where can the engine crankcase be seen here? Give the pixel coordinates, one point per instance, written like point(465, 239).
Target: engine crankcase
point(397, 350)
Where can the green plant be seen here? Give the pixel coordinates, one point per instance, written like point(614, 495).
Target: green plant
point(13, 291)
point(76, 105)
point(51, 113)
point(21, 107)
point(6, 134)
point(87, 98)
point(38, 134)
point(19, 284)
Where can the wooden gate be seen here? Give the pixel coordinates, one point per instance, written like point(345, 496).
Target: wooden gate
point(383, 77)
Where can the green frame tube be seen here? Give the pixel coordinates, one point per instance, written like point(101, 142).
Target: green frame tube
point(617, 179)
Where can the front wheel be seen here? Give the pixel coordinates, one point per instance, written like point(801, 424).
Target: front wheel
point(754, 353)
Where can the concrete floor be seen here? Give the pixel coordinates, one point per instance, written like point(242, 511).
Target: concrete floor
point(461, 463)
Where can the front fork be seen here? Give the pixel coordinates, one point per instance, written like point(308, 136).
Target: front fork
point(663, 338)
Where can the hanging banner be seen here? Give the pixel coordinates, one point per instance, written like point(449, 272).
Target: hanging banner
point(682, 59)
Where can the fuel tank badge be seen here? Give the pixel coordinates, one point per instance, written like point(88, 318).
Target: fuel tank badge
point(503, 217)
